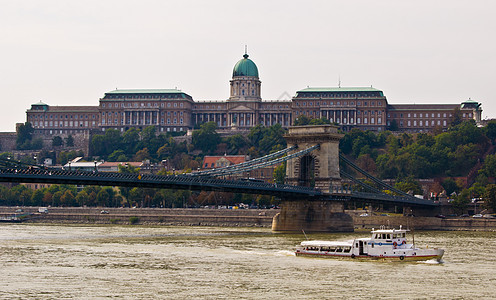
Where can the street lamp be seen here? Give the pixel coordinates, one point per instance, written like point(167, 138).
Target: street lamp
point(95, 166)
point(36, 159)
point(69, 166)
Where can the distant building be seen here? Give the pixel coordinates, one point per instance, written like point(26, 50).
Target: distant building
point(110, 166)
point(172, 110)
point(215, 162)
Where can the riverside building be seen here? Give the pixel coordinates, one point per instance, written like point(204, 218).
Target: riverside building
point(172, 110)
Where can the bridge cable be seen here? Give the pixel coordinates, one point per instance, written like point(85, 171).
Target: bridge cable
point(236, 170)
point(374, 179)
point(248, 163)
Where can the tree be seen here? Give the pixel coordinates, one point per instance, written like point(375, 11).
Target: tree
point(490, 130)
point(142, 155)
point(130, 140)
point(321, 121)
point(68, 199)
point(301, 120)
point(57, 141)
point(450, 186)
point(69, 141)
point(97, 145)
point(24, 135)
point(409, 185)
point(393, 126)
point(206, 138)
point(103, 198)
point(461, 201)
point(37, 198)
point(490, 197)
point(117, 155)
point(82, 198)
point(280, 173)
point(457, 117)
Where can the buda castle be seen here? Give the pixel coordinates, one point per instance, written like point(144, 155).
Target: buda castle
point(172, 110)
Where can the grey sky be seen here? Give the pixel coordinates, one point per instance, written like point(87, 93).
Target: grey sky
point(72, 52)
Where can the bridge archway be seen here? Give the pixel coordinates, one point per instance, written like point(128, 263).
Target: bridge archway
point(307, 171)
point(320, 168)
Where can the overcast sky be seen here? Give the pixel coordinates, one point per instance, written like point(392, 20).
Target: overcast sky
point(72, 52)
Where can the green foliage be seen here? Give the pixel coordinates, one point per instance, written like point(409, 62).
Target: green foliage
point(489, 166)
point(301, 120)
point(409, 185)
point(393, 126)
point(82, 198)
point(490, 130)
point(64, 157)
point(142, 155)
point(457, 117)
point(24, 136)
point(69, 141)
point(451, 153)
point(450, 186)
point(57, 141)
point(490, 197)
point(321, 121)
point(134, 220)
point(206, 138)
point(461, 201)
point(267, 139)
point(117, 155)
point(280, 173)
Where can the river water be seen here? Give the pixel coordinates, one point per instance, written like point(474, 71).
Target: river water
point(133, 262)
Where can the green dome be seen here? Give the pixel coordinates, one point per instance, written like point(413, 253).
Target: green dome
point(245, 67)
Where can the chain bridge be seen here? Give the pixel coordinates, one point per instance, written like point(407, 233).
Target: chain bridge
point(313, 198)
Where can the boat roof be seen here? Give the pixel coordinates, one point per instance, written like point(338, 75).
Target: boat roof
point(389, 230)
point(327, 243)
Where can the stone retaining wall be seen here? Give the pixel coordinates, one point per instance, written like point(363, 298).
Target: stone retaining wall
point(230, 218)
point(158, 216)
point(426, 223)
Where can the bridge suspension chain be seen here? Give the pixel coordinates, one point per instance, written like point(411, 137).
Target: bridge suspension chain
point(376, 180)
point(363, 184)
point(248, 163)
point(236, 169)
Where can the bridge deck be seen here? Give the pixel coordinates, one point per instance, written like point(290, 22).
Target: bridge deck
point(198, 183)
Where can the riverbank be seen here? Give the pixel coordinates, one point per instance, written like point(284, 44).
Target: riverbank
point(148, 216)
point(225, 218)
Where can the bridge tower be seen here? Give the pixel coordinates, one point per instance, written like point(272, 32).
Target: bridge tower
point(319, 169)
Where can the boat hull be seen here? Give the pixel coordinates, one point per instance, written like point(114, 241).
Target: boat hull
point(436, 254)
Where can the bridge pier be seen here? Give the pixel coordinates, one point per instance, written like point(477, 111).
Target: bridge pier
point(312, 216)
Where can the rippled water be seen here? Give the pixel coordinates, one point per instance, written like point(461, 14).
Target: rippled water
point(39, 261)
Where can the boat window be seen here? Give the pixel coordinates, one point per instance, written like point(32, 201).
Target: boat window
point(372, 245)
point(347, 249)
point(388, 236)
point(384, 236)
point(339, 249)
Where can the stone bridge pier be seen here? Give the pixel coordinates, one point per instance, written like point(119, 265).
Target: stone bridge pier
point(312, 216)
point(318, 169)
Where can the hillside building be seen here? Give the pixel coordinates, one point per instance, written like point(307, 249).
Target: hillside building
point(172, 110)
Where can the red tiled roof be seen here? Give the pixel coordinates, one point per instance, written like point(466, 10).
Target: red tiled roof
point(209, 161)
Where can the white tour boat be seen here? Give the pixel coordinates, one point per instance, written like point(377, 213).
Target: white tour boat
point(385, 244)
